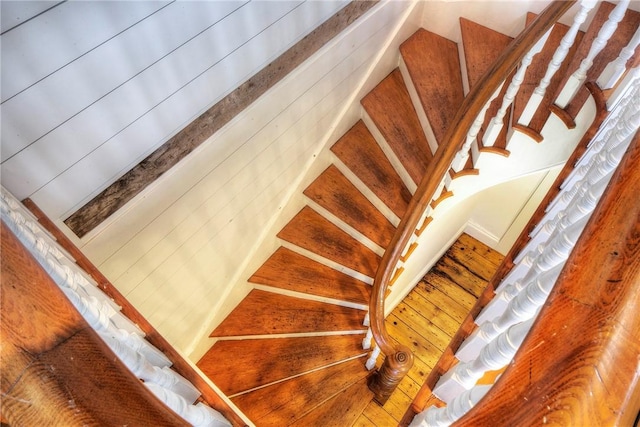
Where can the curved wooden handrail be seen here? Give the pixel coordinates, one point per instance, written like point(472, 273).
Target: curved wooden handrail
point(579, 363)
point(440, 165)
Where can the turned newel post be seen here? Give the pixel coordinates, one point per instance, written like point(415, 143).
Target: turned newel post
point(393, 369)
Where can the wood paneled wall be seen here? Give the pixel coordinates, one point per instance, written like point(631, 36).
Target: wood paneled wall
point(91, 88)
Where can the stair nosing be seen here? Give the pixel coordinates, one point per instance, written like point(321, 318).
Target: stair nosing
point(292, 335)
point(311, 297)
point(365, 352)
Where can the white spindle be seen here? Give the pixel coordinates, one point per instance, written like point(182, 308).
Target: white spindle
point(462, 156)
point(616, 68)
point(496, 125)
point(197, 415)
point(624, 89)
point(556, 62)
point(441, 417)
point(606, 31)
point(625, 127)
point(366, 341)
point(371, 361)
point(579, 207)
point(521, 308)
point(552, 253)
point(493, 356)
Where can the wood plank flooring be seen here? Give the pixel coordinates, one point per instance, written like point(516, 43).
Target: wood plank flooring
point(429, 316)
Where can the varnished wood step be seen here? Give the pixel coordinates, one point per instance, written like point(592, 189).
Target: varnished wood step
point(434, 66)
point(389, 106)
point(311, 231)
point(341, 410)
point(334, 192)
point(237, 366)
point(482, 46)
point(283, 403)
point(536, 72)
point(286, 269)
point(624, 31)
point(360, 152)
point(263, 313)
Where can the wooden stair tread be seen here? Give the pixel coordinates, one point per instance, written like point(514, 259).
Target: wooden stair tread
point(536, 72)
point(360, 152)
point(334, 192)
point(434, 66)
point(283, 403)
point(286, 269)
point(311, 231)
point(399, 125)
point(341, 410)
point(625, 30)
point(263, 313)
point(482, 46)
point(237, 366)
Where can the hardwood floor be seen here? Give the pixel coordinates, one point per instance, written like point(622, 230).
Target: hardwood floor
point(429, 316)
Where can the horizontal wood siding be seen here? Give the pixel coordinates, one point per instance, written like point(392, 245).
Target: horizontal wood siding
point(176, 251)
point(142, 80)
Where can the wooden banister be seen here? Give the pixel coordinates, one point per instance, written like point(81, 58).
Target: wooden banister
point(399, 359)
point(180, 365)
point(55, 368)
point(579, 363)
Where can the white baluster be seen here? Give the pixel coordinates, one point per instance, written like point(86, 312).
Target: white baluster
point(197, 415)
point(493, 356)
point(371, 361)
point(442, 417)
point(558, 58)
point(146, 371)
point(603, 163)
point(577, 78)
point(521, 308)
point(579, 207)
point(461, 157)
point(616, 68)
point(366, 341)
point(625, 127)
point(496, 125)
point(624, 89)
point(554, 252)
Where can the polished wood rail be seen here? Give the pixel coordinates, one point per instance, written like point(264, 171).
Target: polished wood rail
point(578, 365)
point(180, 365)
point(54, 365)
point(399, 359)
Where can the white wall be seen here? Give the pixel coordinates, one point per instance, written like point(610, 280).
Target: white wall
point(91, 88)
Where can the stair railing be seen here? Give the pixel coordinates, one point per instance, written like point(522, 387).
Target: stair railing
point(573, 360)
point(101, 319)
point(399, 359)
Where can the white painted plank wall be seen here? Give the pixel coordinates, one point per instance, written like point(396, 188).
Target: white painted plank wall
point(116, 103)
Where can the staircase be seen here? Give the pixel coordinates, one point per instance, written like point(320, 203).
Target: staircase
point(291, 353)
